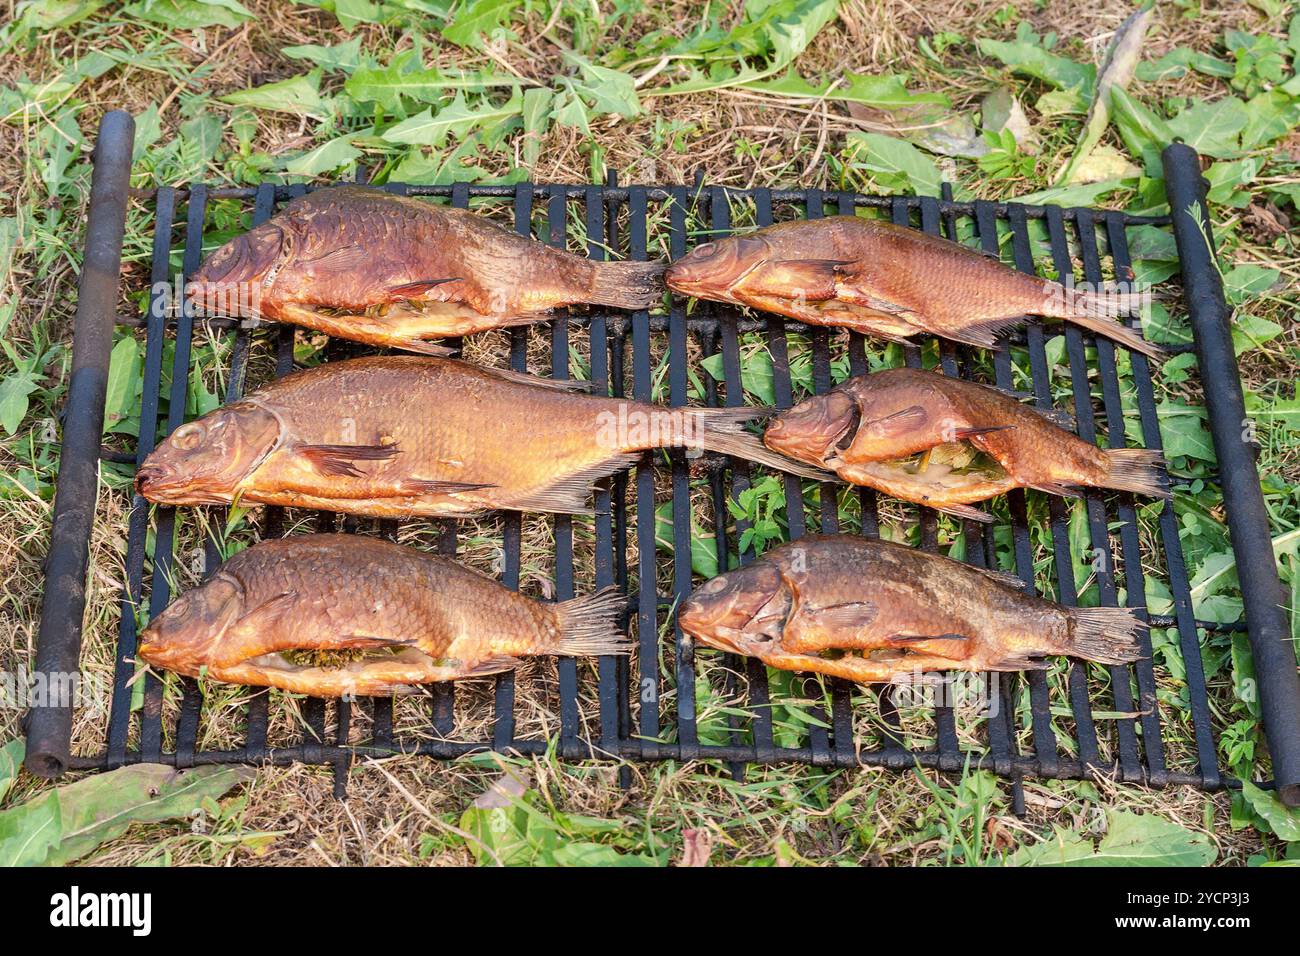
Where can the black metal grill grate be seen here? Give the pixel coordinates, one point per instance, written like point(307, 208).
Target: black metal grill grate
point(656, 718)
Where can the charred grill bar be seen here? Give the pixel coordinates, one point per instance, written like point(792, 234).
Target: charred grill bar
point(657, 716)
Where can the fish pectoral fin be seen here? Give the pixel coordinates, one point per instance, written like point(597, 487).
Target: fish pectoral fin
point(436, 486)
point(569, 495)
point(496, 664)
point(340, 460)
point(983, 334)
point(953, 647)
point(807, 279)
point(342, 258)
point(1002, 577)
point(965, 434)
point(368, 642)
point(1057, 488)
point(414, 290)
point(851, 614)
point(896, 425)
point(523, 378)
point(964, 511)
point(421, 347)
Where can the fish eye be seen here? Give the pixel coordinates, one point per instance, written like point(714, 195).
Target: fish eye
point(713, 586)
point(706, 251)
point(188, 436)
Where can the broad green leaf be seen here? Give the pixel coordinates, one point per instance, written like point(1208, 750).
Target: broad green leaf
point(1131, 840)
point(124, 369)
point(1183, 432)
point(326, 157)
point(456, 119)
point(11, 758)
point(1144, 133)
point(1032, 60)
point(895, 162)
point(1284, 820)
point(66, 824)
point(1213, 129)
point(1248, 280)
point(405, 80)
point(476, 18)
point(884, 91)
point(608, 91)
point(1116, 71)
point(1178, 61)
point(45, 16)
point(1082, 194)
point(537, 117)
point(15, 390)
point(30, 832)
point(1269, 116)
point(785, 29)
point(190, 14)
point(298, 95)
point(1252, 331)
point(344, 57)
point(598, 854)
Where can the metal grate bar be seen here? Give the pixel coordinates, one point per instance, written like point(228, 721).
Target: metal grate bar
point(683, 526)
point(609, 670)
point(1134, 579)
point(119, 720)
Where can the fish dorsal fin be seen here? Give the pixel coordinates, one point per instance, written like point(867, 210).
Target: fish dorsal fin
point(570, 494)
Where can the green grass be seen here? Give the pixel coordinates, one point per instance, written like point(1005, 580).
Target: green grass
point(854, 96)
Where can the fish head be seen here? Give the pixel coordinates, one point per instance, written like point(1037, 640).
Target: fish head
point(203, 461)
point(183, 637)
point(740, 611)
point(232, 280)
point(712, 270)
point(816, 428)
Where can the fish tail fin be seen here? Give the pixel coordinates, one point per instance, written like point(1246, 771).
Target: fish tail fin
point(1137, 470)
point(627, 285)
point(590, 625)
point(1100, 312)
point(1107, 635)
point(723, 430)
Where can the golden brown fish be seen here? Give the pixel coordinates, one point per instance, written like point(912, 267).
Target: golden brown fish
point(872, 611)
point(409, 435)
point(390, 270)
point(889, 281)
point(377, 617)
point(975, 442)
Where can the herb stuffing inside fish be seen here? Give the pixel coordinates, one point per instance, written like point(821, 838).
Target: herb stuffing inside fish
point(946, 443)
point(408, 435)
point(390, 270)
point(329, 614)
point(873, 611)
point(888, 281)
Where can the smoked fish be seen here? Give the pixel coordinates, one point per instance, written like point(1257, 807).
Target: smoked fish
point(335, 614)
point(873, 611)
point(974, 442)
point(397, 435)
point(390, 270)
point(888, 281)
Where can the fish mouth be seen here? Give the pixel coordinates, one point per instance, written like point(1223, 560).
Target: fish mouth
point(155, 483)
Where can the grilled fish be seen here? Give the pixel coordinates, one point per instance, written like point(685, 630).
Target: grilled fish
point(389, 270)
point(409, 435)
point(889, 281)
point(378, 617)
point(974, 442)
point(873, 611)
